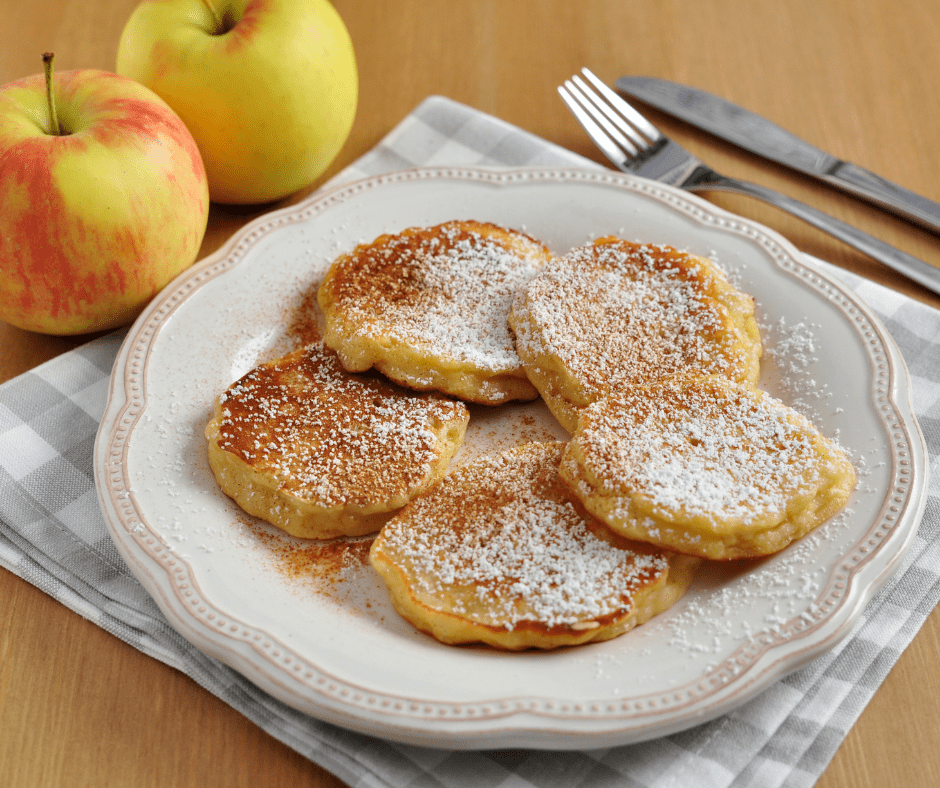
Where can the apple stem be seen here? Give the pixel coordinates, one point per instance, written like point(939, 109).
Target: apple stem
point(215, 14)
point(224, 22)
point(50, 96)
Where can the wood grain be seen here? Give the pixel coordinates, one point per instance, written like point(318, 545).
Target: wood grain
point(857, 77)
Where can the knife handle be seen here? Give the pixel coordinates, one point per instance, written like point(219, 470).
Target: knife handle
point(886, 194)
point(912, 267)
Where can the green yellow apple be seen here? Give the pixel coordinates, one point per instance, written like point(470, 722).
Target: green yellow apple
point(268, 88)
point(96, 219)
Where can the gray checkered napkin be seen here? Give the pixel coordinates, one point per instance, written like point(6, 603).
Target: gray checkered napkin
point(53, 535)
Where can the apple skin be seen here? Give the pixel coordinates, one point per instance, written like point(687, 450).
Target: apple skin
point(95, 222)
point(270, 102)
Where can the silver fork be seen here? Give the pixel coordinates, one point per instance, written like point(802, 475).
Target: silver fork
point(634, 145)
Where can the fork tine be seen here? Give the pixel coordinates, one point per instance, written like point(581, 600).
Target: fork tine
point(595, 132)
point(637, 141)
point(634, 117)
point(590, 103)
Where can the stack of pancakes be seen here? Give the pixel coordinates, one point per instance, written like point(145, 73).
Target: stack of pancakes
point(649, 357)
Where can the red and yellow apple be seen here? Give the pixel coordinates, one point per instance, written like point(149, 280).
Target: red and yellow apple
point(97, 219)
point(268, 88)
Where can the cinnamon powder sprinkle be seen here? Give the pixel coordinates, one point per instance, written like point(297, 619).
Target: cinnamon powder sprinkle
point(632, 312)
point(508, 527)
point(330, 436)
point(704, 450)
point(323, 563)
point(446, 289)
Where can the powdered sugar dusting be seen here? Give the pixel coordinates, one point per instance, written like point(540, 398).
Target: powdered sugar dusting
point(329, 436)
point(695, 451)
point(504, 527)
point(619, 312)
point(446, 290)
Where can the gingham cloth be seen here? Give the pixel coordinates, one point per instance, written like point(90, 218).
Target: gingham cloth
point(52, 534)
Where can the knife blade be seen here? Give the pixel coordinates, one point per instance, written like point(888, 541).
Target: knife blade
point(753, 133)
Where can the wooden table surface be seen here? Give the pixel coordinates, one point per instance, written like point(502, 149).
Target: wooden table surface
point(858, 77)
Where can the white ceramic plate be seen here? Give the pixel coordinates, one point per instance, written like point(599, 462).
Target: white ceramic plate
point(318, 632)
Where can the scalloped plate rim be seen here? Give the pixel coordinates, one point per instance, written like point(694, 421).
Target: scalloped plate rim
point(518, 724)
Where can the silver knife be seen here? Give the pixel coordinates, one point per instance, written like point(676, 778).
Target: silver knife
point(759, 135)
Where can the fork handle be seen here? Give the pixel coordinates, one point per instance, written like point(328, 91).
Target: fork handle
point(912, 267)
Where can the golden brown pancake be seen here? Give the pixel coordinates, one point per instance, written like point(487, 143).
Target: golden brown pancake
point(616, 313)
point(428, 307)
point(322, 453)
point(501, 552)
point(706, 467)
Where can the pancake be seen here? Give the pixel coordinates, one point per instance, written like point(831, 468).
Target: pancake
point(429, 307)
point(501, 552)
point(616, 313)
point(321, 453)
point(706, 467)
